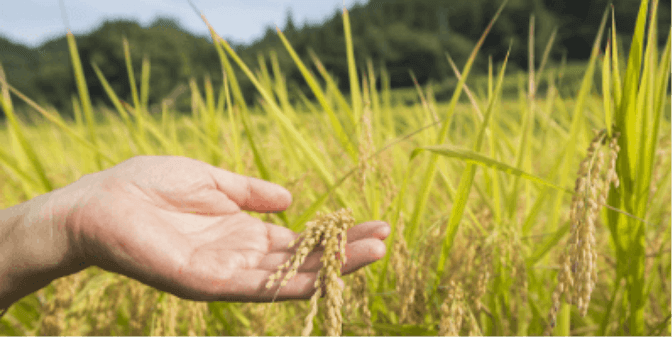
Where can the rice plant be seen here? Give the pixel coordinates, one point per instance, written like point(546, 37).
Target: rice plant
point(488, 235)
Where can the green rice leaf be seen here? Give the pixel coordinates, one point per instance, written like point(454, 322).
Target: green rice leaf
point(240, 101)
point(144, 82)
point(466, 181)
point(16, 127)
point(120, 107)
point(481, 160)
point(319, 95)
point(615, 65)
point(134, 90)
point(423, 193)
point(606, 88)
point(12, 165)
point(547, 245)
point(284, 122)
point(333, 88)
point(280, 87)
point(84, 97)
point(355, 95)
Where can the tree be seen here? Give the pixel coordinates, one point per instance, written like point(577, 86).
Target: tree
point(289, 23)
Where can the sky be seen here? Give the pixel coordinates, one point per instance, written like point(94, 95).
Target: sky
point(33, 22)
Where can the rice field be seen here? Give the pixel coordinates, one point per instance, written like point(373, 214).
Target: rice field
point(529, 215)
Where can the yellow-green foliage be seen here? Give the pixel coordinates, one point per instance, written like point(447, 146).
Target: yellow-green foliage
point(506, 218)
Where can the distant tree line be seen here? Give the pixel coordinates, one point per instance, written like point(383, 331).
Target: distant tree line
point(400, 34)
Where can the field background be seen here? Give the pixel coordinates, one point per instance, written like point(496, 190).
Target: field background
point(490, 270)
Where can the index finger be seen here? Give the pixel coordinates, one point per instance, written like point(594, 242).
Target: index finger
point(252, 194)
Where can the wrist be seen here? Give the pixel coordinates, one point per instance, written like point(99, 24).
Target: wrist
point(35, 245)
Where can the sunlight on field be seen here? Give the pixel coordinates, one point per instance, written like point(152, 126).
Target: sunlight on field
point(479, 200)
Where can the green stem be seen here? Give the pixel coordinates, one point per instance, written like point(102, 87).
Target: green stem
point(562, 329)
point(607, 312)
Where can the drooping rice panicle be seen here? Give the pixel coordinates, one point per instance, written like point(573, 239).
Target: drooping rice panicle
point(452, 311)
point(578, 274)
point(330, 231)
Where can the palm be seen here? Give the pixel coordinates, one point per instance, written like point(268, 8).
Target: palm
point(178, 225)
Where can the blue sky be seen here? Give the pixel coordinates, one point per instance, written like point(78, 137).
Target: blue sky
point(32, 22)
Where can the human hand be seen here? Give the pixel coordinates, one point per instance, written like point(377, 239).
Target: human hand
point(177, 224)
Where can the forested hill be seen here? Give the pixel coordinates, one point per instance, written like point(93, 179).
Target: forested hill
point(402, 34)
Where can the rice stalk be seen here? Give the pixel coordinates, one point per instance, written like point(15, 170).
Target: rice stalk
point(58, 314)
point(105, 310)
point(255, 312)
point(512, 278)
point(474, 330)
point(196, 313)
point(406, 270)
point(140, 308)
point(366, 148)
point(170, 315)
point(157, 328)
point(359, 299)
point(471, 263)
point(419, 267)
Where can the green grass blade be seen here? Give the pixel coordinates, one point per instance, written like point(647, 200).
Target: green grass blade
point(18, 130)
point(648, 118)
point(352, 72)
point(523, 151)
point(60, 123)
point(386, 98)
point(492, 136)
point(84, 97)
point(375, 100)
point(607, 313)
point(131, 75)
point(144, 147)
point(333, 88)
point(281, 87)
point(134, 90)
point(203, 137)
point(547, 245)
point(264, 76)
point(547, 53)
point(466, 181)
point(606, 88)
point(319, 95)
point(284, 122)
point(144, 82)
point(628, 113)
point(635, 119)
point(423, 194)
point(233, 121)
point(616, 76)
point(115, 100)
point(240, 101)
point(157, 133)
point(481, 160)
point(12, 165)
point(213, 125)
point(536, 208)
